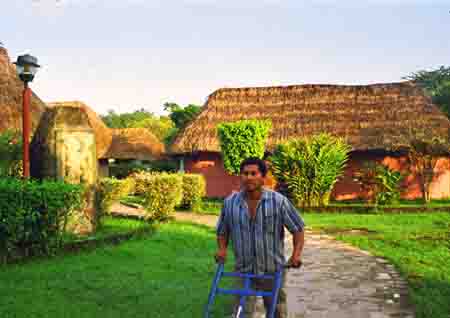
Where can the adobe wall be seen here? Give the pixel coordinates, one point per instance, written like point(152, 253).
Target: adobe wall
point(220, 184)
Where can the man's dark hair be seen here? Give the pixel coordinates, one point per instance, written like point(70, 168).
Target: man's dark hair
point(262, 167)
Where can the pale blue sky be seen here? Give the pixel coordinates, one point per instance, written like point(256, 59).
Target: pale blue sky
point(128, 54)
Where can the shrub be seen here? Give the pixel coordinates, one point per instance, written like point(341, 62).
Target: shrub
point(10, 154)
point(163, 191)
point(34, 214)
point(389, 181)
point(194, 189)
point(309, 167)
point(382, 182)
point(241, 140)
point(140, 181)
point(111, 190)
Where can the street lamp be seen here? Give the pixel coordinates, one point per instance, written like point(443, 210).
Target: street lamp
point(26, 67)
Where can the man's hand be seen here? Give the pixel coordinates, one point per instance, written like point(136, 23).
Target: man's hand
point(295, 261)
point(221, 256)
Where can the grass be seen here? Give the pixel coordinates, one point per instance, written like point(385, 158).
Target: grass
point(213, 206)
point(167, 274)
point(132, 200)
point(402, 203)
point(111, 226)
point(417, 244)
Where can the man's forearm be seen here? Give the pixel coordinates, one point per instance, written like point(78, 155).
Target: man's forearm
point(298, 239)
point(222, 242)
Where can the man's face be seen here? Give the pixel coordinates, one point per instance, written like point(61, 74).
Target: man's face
point(251, 178)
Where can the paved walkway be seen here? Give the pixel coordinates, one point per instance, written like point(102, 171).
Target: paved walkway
point(337, 280)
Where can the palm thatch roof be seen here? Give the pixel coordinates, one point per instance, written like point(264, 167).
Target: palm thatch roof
point(135, 143)
point(379, 116)
point(130, 143)
point(103, 134)
point(11, 89)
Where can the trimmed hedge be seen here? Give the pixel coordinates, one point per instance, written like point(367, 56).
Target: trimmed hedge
point(163, 191)
point(194, 189)
point(34, 215)
point(111, 190)
point(140, 181)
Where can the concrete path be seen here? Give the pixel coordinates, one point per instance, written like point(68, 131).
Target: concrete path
point(336, 280)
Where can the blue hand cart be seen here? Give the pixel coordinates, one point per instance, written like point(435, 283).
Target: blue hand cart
point(246, 291)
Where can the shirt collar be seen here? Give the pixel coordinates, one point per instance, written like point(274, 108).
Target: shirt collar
point(264, 195)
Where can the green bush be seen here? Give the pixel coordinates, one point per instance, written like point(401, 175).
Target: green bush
point(194, 189)
point(34, 214)
point(10, 154)
point(140, 181)
point(382, 182)
point(163, 191)
point(111, 190)
point(309, 167)
point(241, 140)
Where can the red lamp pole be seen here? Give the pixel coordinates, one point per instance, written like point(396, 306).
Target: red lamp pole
point(26, 67)
point(26, 125)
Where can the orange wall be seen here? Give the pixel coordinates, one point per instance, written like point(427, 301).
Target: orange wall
point(220, 184)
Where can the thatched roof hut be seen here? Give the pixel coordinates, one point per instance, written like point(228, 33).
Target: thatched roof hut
point(368, 117)
point(135, 143)
point(11, 89)
point(375, 120)
point(103, 135)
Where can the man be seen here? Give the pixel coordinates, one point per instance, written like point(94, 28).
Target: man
point(254, 219)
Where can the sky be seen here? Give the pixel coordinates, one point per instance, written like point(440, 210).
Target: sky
point(130, 54)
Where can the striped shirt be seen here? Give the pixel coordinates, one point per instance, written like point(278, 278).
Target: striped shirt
point(258, 244)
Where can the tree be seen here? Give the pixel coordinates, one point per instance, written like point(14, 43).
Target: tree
point(436, 83)
point(424, 154)
point(125, 120)
point(182, 116)
point(162, 127)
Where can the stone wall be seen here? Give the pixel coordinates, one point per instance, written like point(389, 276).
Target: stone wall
point(64, 148)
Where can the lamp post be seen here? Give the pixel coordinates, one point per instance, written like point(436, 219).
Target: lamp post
point(26, 67)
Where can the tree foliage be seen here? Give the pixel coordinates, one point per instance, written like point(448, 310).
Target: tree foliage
point(309, 167)
point(436, 84)
point(424, 154)
point(241, 140)
point(125, 120)
point(181, 116)
point(161, 127)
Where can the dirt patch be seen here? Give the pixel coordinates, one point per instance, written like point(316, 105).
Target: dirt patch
point(352, 231)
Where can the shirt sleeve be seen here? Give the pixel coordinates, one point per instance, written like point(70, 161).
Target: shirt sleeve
point(291, 218)
point(222, 226)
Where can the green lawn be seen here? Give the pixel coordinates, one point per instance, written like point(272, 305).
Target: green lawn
point(167, 274)
point(417, 244)
point(112, 226)
point(213, 206)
